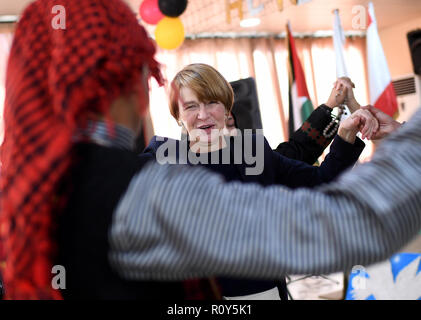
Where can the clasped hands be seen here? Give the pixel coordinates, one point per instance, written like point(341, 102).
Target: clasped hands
point(370, 121)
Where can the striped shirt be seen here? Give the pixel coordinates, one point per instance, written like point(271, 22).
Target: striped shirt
point(111, 136)
point(176, 222)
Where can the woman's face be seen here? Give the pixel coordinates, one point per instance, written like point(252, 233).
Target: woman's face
point(203, 120)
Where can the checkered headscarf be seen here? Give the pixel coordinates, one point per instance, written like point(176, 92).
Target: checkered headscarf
point(56, 79)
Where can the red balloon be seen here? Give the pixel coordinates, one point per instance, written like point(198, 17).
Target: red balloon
point(149, 11)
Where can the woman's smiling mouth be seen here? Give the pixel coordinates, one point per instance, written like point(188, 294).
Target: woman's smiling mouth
point(207, 128)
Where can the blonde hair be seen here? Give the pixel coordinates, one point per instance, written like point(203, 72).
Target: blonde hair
point(206, 82)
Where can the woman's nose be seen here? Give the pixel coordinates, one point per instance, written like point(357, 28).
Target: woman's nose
point(203, 113)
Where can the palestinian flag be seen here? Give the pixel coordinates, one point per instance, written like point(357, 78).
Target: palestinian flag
point(300, 106)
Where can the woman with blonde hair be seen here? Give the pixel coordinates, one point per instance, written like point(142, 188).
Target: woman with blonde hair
point(200, 100)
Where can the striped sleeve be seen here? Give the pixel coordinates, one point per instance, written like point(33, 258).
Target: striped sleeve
point(177, 222)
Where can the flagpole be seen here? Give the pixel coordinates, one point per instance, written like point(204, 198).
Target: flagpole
point(278, 96)
point(338, 44)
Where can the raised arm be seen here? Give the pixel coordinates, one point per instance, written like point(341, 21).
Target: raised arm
point(344, 153)
point(308, 142)
point(189, 223)
point(294, 174)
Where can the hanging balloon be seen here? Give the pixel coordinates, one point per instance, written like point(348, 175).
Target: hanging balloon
point(172, 8)
point(149, 11)
point(169, 33)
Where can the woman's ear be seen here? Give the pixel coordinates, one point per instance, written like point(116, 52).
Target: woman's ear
point(183, 128)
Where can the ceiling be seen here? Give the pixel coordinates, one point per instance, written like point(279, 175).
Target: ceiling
point(209, 16)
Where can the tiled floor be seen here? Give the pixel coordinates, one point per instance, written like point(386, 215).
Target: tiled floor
point(317, 287)
point(330, 287)
point(413, 246)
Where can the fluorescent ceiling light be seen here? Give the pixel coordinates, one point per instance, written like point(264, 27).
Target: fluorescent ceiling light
point(252, 22)
point(8, 18)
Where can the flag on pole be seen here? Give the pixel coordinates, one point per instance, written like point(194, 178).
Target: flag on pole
point(300, 106)
point(338, 44)
point(382, 93)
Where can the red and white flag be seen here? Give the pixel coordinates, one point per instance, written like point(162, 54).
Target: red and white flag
point(382, 93)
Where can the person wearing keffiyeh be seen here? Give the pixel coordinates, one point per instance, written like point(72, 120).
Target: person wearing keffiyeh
point(57, 81)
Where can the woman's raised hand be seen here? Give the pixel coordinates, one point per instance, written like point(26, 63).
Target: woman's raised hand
point(361, 120)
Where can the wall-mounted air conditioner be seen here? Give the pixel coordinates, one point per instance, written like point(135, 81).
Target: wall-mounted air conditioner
point(408, 91)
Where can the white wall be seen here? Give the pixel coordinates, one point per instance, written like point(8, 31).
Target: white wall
point(396, 47)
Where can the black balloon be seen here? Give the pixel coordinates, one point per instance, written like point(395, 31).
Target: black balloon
point(172, 8)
